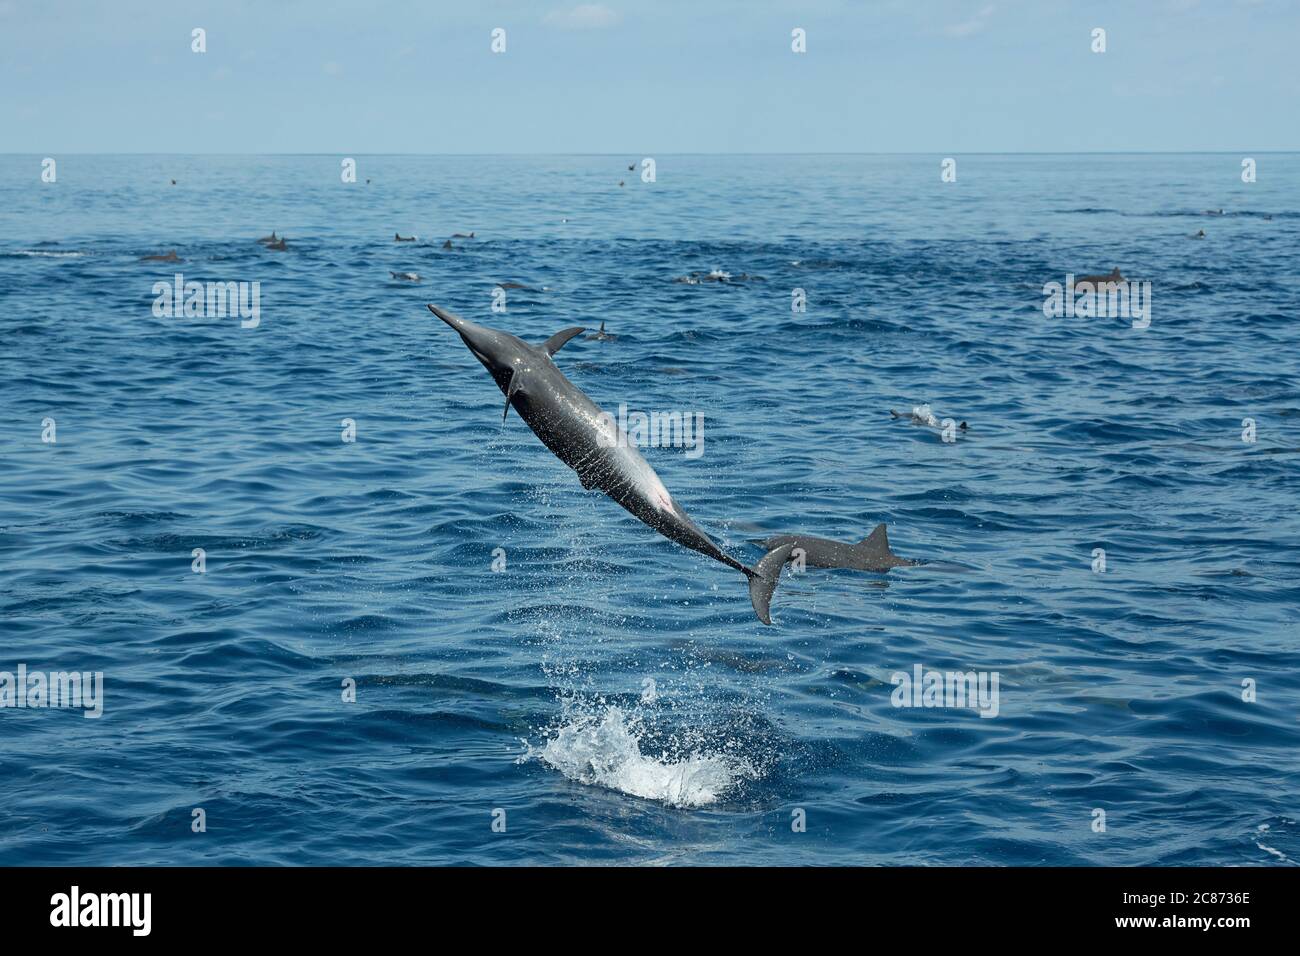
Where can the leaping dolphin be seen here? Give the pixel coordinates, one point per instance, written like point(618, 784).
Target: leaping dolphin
point(590, 442)
point(872, 553)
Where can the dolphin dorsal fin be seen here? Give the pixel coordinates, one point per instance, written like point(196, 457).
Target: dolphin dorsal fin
point(556, 341)
point(878, 540)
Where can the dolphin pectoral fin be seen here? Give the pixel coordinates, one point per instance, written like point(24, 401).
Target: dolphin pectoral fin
point(763, 579)
point(556, 341)
point(510, 393)
point(587, 476)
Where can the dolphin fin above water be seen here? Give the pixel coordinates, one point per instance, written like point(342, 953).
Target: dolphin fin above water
point(556, 341)
point(587, 440)
point(876, 543)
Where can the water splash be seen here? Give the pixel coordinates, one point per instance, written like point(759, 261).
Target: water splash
point(603, 748)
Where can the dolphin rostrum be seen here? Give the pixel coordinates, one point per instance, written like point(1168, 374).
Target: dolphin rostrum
point(870, 554)
point(591, 443)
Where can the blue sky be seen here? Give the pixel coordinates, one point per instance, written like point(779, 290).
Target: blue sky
point(651, 76)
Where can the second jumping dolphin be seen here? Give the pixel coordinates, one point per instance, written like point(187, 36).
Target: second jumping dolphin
point(588, 441)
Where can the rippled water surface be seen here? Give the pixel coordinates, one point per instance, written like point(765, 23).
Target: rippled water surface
point(608, 690)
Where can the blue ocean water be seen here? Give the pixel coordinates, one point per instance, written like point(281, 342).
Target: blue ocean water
point(608, 696)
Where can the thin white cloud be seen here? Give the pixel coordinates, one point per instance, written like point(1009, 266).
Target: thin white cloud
point(585, 16)
point(968, 27)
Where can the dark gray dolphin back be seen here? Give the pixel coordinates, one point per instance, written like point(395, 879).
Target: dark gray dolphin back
point(872, 553)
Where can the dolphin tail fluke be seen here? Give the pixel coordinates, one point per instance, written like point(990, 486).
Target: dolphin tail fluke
point(763, 578)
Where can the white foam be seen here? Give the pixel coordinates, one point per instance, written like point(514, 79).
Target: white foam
point(603, 749)
point(1261, 830)
point(924, 415)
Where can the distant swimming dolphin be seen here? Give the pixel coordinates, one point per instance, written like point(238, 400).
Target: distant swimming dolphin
point(588, 441)
point(461, 235)
point(271, 238)
point(923, 415)
point(397, 237)
point(170, 257)
point(405, 276)
point(1100, 280)
point(517, 285)
point(602, 335)
point(717, 275)
point(448, 245)
point(870, 554)
point(278, 246)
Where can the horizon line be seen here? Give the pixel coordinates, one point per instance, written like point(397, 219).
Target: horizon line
point(1094, 152)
